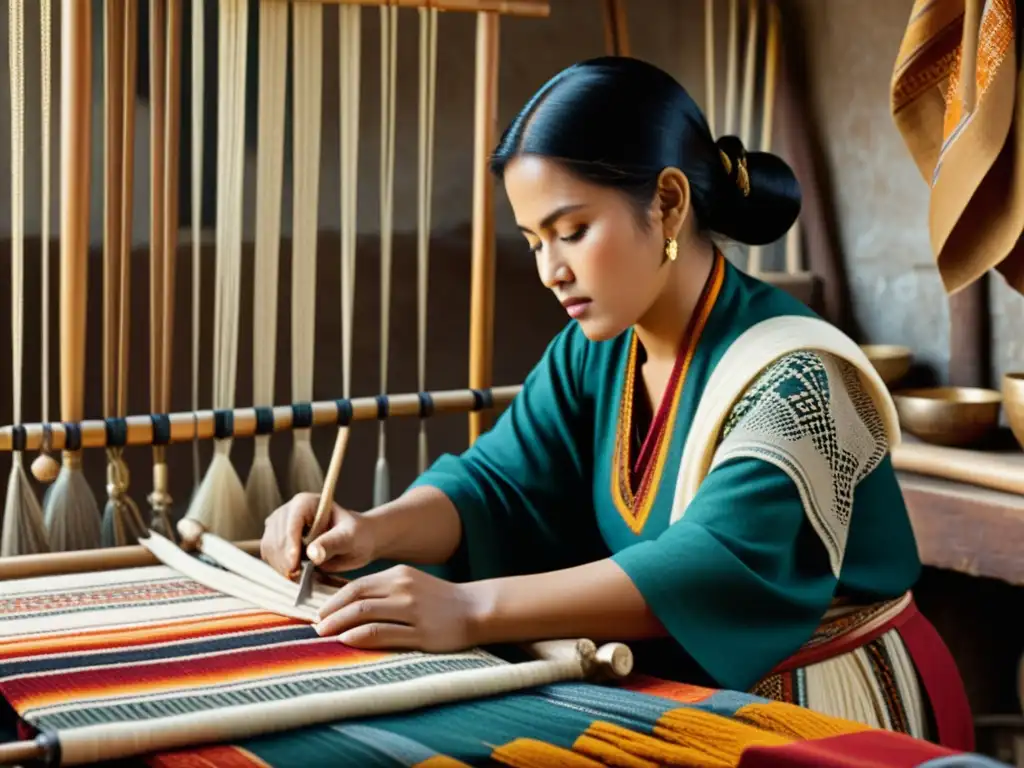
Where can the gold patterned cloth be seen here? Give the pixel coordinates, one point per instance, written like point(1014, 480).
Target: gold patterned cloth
point(956, 100)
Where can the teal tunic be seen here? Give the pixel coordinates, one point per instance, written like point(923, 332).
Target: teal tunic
point(743, 579)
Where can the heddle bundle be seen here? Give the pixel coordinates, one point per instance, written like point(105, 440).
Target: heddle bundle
point(289, 93)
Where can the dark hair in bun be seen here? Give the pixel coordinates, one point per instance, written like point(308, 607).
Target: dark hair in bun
point(619, 122)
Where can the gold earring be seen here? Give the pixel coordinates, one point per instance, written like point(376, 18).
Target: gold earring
point(671, 249)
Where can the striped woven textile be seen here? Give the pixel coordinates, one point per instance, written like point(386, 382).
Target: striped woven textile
point(138, 644)
point(956, 100)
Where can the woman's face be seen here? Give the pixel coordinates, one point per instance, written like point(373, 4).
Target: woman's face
point(591, 251)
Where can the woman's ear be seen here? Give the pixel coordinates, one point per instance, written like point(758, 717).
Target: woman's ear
point(673, 200)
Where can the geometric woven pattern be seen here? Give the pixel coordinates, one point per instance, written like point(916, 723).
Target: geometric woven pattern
point(810, 415)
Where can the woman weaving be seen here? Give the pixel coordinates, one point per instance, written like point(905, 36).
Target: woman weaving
point(789, 572)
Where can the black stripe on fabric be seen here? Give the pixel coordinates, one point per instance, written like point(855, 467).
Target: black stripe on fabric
point(302, 415)
point(176, 651)
point(161, 428)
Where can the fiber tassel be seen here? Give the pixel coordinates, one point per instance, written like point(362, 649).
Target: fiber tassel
point(381, 475)
point(424, 453)
point(304, 472)
point(219, 505)
point(160, 501)
point(24, 532)
point(122, 521)
point(261, 492)
point(71, 514)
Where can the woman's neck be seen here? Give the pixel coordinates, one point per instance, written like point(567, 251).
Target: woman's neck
point(662, 327)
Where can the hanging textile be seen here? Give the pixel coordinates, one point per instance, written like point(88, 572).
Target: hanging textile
point(956, 100)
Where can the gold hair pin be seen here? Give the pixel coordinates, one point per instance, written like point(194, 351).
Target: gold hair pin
point(742, 175)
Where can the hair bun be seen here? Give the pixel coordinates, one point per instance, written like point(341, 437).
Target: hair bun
point(758, 195)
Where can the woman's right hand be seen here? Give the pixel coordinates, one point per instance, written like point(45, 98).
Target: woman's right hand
point(347, 544)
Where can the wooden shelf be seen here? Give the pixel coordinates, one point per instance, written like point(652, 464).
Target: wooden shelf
point(965, 528)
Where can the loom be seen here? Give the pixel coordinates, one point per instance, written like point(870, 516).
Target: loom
point(236, 655)
point(71, 521)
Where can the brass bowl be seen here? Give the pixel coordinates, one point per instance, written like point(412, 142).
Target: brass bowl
point(892, 362)
point(953, 416)
point(1013, 397)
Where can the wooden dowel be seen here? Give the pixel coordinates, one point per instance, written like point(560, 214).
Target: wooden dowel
point(88, 560)
point(537, 9)
point(75, 133)
point(201, 425)
point(21, 752)
point(481, 302)
point(323, 510)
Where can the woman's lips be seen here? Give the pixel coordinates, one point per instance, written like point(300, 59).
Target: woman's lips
point(576, 307)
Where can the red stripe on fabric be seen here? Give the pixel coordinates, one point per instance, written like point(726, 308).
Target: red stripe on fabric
point(188, 673)
point(148, 634)
point(941, 680)
point(867, 749)
point(212, 757)
point(667, 689)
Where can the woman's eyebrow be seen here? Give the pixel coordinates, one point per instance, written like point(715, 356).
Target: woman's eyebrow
point(554, 216)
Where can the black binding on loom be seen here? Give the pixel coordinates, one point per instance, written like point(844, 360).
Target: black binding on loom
point(72, 436)
point(426, 405)
point(50, 744)
point(302, 415)
point(18, 438)
point(482, 398)
point(382, 407)
point(161, 428)
point(117, 432)
point(223, 424)
point(264, 420)
point(344, 407)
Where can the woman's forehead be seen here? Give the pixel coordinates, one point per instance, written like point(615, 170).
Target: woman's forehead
point(537, 186)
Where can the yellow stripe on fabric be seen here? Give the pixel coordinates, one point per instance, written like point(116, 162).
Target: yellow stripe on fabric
point(614, 745)
point(796, 722)
point(721, 740)
point(442, 761)
point(531, 753)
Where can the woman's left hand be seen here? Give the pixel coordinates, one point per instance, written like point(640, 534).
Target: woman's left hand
point(402, 607)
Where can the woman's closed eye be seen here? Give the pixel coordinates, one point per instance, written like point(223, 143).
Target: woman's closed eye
point(575, 236)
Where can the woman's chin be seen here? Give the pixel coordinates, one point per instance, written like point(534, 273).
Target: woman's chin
point(600, 329)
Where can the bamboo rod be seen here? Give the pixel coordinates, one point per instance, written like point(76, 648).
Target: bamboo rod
point(242, 422)
point(537, 9)
point(88, 560)
point(76, 102)
point(481, 303)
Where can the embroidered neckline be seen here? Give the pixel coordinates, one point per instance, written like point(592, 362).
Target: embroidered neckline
point(636, 507)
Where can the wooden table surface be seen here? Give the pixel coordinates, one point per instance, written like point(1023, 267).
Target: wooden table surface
point(967, 529)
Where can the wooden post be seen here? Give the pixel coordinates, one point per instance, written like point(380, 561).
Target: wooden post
point(75, 139)
point(481, 308)
point(969, 336)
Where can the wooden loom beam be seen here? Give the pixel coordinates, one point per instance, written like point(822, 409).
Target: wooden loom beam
point(481, 312)
point(89, 560)
point(188, 426)
point(536, 9)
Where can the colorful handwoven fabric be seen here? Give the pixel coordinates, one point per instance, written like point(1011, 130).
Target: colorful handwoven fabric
point(956, 100)
point(146, 643)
